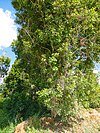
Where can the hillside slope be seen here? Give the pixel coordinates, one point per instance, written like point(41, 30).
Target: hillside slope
point(87, 121)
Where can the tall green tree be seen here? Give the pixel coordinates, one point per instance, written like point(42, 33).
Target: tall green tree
point(57, 46)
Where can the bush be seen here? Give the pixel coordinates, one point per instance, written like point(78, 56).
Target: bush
point(4, 116)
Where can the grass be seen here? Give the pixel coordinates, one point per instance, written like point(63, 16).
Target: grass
point(8, 129)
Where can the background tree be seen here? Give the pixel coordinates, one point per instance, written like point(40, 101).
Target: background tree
point(4, 65)
point(19, 92)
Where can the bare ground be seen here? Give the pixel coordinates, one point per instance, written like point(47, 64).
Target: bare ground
point(87, 121)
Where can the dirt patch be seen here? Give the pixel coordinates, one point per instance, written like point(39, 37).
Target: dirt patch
point(87, 121)
point(20, 128)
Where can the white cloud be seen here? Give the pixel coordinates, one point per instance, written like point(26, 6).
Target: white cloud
point(8, 29)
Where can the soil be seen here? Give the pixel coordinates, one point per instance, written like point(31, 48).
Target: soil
point(87, 121)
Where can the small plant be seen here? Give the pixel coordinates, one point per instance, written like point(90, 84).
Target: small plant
point(34, 121)
point(8, 129)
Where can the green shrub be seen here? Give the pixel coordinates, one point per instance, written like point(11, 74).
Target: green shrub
point(8, 129)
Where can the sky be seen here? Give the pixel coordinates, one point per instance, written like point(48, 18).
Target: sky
point(8, 29)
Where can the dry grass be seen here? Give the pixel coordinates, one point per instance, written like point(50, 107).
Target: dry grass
point(87, 121)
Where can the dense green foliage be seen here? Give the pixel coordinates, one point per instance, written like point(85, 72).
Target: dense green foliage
point(19, 92)
point(57, 45)
point(4, 65)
